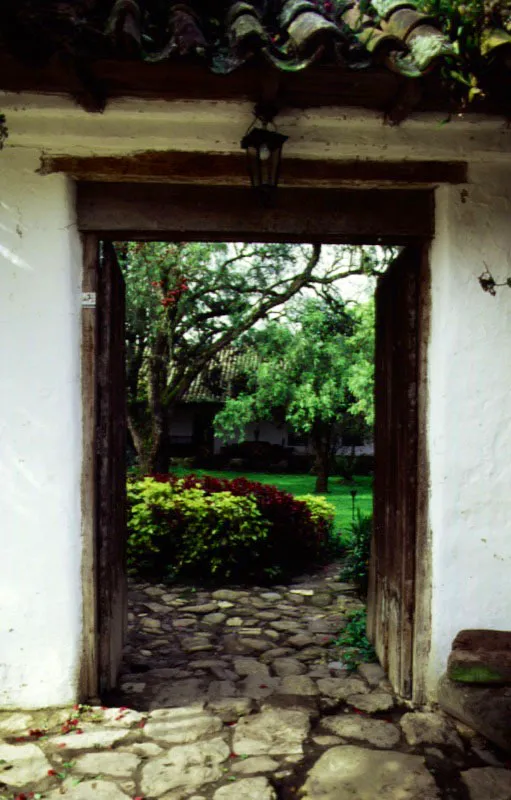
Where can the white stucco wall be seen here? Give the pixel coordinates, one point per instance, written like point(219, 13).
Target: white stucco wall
point(40, 436)
point(470, 412)
point(469, 434)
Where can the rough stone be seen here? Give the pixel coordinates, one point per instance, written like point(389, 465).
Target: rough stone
point(482, 640)
point(251, 766)
point(321, 599)
point(88, 790)
point(488, 783)
point(234, 622)
point(116, 765)
point(230, 709)
point(327, 741)
point(341, 688)
point(372, 673)
point(258, 687)
point(143, 749)
point(246, 789)
point(424, 727)
point(376, 732)
point(288, 666)
point(14, 723)
point(368, 774)
point(22, 764)
point(250, 666)
point(180, 693)
point(371, 703)
point(286, 625)
point(219, 689)
point(229, 594)
point(298, 685)
point(216, 618)
point(267, 615)
point(189, 765)
point(185, 622)
point(310, 653)
point(182, 725)
point(255, 644)
point(271, 597)
point(196, 644)
point(200, 608)
point(150, 623)
point(300, 640)
point(272, 732)
point(121, 718)
point(92, 736)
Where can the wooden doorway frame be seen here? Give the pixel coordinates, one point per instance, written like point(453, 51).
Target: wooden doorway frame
point(125, 211)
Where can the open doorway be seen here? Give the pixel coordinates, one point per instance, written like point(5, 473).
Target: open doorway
point(110, 576)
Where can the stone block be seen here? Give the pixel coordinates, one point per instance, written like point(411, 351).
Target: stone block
point(487, 709)
point(481, 666)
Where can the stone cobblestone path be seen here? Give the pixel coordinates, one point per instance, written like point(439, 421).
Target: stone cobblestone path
point(239, 694)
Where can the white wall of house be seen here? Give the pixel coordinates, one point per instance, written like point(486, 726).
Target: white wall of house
point(40, 436)
point(470, 411)
point(469, 431)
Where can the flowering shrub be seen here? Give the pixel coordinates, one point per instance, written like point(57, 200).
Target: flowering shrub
point(224, 529)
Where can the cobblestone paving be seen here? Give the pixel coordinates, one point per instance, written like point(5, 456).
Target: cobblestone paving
point(238, 694)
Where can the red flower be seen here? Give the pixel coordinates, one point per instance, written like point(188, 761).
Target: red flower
point(51, 773)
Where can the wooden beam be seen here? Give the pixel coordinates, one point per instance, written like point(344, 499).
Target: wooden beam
point(231, 170)
point(157, 211)
point(89, 662)
point(319, 85)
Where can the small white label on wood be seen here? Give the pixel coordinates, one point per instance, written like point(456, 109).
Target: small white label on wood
point(88, 299)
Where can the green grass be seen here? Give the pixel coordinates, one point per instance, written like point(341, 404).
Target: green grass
point(338, 494)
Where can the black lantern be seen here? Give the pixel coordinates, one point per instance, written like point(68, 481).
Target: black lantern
point(264, 150)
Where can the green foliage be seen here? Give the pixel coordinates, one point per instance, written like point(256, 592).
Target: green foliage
point(307, 367)
point(188, 302)
point(360, 356)
point(356, 648)
point(470, 26)
point(187, 531)
point(338, 497)
point(358, 551)
point(224, 530)
point(320, 509)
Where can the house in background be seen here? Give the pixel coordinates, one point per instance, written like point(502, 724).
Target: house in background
point(192, 429)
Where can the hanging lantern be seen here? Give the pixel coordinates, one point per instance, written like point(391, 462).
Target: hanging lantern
point(264, 151)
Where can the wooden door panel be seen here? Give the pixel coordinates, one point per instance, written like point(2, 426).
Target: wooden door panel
point(392, 573)
point(111, 468)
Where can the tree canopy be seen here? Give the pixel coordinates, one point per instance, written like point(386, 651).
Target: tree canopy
point(314, 372)
point(187, 302)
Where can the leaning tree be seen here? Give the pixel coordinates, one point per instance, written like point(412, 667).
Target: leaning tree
point(187, 302)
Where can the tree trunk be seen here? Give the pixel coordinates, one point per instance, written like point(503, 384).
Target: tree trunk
point(321, 435)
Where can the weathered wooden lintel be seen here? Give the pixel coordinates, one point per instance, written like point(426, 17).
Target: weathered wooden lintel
point(165, 212)
point(231, 170)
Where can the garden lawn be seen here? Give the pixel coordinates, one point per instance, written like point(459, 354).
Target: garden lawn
point(338, 494)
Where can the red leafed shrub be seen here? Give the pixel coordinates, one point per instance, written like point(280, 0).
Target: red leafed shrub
point(286, 535)
point(295, 539)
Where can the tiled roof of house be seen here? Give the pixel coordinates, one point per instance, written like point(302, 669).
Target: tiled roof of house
point(223, 377)
point(290, 34)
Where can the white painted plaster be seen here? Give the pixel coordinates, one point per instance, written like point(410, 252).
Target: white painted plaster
point(470, 412)
point(40, 436)
point(57, 125)
point(469, 435)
